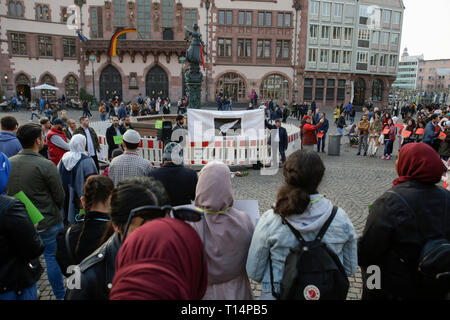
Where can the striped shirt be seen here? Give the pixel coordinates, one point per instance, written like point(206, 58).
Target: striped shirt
point(129, 164)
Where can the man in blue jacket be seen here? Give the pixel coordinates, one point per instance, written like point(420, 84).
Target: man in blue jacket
point(323, 129)
point(9, 144)
point(432, 131)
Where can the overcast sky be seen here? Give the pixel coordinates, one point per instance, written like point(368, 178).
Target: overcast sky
point(426, 28)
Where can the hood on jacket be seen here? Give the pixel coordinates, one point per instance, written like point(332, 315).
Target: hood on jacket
point(5, 168)
point(7, 136)
point(314, 216)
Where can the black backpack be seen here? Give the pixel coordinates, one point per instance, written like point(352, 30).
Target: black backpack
point(312, 271)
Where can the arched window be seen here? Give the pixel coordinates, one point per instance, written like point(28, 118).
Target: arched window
point(143, 18)
point(71, 87)
point(167, 13)
point(231, 85)
point(19, 9)
point(377, 90)
point(275, 86)
point(120, 11)
point(42, 12)
point(12, 9)
point(48, 80)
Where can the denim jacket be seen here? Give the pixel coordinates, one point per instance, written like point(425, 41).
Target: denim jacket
point(271, 234)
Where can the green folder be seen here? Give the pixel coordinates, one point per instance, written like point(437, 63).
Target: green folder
point(118, 139)
point(33, 212)
point(158, 124)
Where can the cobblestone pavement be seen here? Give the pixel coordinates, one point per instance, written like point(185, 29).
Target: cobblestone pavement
point(350, 182)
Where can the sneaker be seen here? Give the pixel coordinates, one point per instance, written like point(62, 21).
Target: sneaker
point(383, 158)
point(365, 154)
point(358, 154)
point(388, 158)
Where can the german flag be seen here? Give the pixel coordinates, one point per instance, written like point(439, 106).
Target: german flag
point(113, 41)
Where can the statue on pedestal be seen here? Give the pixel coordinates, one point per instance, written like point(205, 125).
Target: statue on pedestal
point(194, 77)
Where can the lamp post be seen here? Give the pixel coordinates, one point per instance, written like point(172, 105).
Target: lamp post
point(92, 59)
point(183, 85)
point(207, 6)
point(297, 9)
point(33, 82)
point(83, 76)
point(5, 77)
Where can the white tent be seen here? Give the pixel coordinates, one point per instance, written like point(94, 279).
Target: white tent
point(45, 87)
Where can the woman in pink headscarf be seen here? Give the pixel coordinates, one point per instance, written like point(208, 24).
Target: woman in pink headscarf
point(402, 221)
point(161, 260)
point(228, 235)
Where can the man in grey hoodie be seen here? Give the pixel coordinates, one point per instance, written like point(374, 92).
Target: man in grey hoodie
point(9, 144)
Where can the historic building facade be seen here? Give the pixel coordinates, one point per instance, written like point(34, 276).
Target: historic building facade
point(286, 50)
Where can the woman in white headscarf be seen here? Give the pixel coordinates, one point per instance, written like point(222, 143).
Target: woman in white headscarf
point(74, 168)
point(228, 235)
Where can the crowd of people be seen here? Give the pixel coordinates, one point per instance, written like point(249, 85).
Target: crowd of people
point(136, 232)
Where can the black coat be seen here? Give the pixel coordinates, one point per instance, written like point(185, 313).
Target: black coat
point(97, 272)
point(341, 122)
point(20, 247)
point(180, 182)
point(395, 234)
point(87, 243)
point(284, 141)
point(110, 133)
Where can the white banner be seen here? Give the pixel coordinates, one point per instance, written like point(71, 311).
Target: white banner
point(205, 125)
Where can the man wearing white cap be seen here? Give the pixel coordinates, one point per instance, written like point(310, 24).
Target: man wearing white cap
point(130, 163)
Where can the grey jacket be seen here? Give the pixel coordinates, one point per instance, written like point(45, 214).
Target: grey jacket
point(39, 179)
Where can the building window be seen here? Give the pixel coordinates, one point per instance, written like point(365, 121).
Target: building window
point(225, 47)
point(312, 55)
point(394, 38)
point(363, 34)
point(64, 14)
point(383, 60)
point(324, 55)
point(15, 9)
point(264, 49)
point(307, 89)
point(320, 83)
point(346, 57)
point(69, 47)
point(268, 19)
point(374, 59)
point(45, 46)
point(362, 57)
point(241, 18)
point(261, 19)
point(97, 22)
point(264, 19)
point(377, 90)
point(387, 16)
point(348, 34)
point(338, 8)
point(326, 9)
point(375, 37)
point(244, 48)
point(384, 38)
point(336, 33)
point(190, 17)
point(325, 32)
point(71, 87)
point(284, 20)
point(331, 83)
point(144, 18)
point(229, 18)
point(335, 54)
point(120, 11)
point(19, 44)
point(283, 48)
point(275, 87)
point(395, 17)
point(42, 12)
point(314, 7)
point(392, 60)
point(341, 90)
point(313, 31)
point(167, 13)
point(221, 17)
point(245, 18)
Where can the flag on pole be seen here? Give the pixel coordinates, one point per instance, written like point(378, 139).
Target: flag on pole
point(81, 37)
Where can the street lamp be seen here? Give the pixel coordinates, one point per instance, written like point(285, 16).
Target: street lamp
point(183, 85)
point(33, 81)
point(83, 76)
point(207, 6)
point(92, 59)
point(297, 9)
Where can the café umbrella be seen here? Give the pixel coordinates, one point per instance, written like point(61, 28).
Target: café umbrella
point(45, 87)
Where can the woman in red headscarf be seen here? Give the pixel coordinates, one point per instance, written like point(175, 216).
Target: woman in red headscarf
point(161, 260)
point(401, 221)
